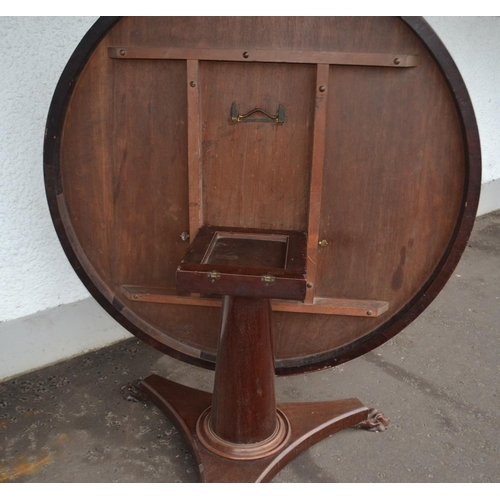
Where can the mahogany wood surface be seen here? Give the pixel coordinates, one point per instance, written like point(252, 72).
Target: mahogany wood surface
point(244, 401)
point(269, 264)
point(398, 193)
point(256, 175)
point(309, 423)
point(243, 436)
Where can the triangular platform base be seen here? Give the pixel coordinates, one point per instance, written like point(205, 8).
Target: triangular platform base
point(309, 424)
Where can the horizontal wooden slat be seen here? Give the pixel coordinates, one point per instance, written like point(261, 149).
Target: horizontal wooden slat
point(272, 56)
point(320, 305)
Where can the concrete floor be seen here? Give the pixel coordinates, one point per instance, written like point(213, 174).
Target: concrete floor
point(438, 382)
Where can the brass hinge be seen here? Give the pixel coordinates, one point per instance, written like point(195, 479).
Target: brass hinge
point(213, 276)
point(267, 279)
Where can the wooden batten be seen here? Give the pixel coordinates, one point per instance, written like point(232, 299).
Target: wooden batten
point(316, 186)
point(271, 56)
point(320, 305)
point(194, 148)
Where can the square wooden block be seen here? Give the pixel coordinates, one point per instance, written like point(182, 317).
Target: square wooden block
point(245, 262)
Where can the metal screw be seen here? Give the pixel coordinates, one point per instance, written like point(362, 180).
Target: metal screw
point(246, 55)
point(323, 243)
point(123, 52)
point(184, 236)
point(309, 285)
point(322, 88)
point(397, 60)
point(136, 296)
point(369, 313)
point(192, 83)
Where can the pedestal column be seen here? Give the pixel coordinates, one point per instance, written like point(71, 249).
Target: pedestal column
point(243, 421)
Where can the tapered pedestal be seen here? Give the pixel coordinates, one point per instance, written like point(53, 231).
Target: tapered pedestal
point(309, 423)
point(239, 433)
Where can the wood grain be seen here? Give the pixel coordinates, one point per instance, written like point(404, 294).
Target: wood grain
point(400, 187)
point(271, 56)
point(149, 195)
point(256, 175)
point(320, 305)
point(194, 148)
point(310, 422)
point(244, 401)
point(316, 185)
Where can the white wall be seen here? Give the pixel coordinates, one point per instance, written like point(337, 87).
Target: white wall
point(34, 271)
point(474, 44)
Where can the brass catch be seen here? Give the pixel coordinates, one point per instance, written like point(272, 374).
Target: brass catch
point(267, 279)
point(213, 276)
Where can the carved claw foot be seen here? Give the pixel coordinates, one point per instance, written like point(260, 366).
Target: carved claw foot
point(132, 391)
point(376, 422)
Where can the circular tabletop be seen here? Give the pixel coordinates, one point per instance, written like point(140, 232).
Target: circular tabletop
point(358, 132)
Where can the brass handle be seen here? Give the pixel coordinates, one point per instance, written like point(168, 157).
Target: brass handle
point(236, 117)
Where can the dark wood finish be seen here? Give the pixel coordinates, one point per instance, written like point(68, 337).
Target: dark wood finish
point(380, 166)
point(244, 403)
point(246, 284)
point(261, 264)
point(293, 266)
point(243, 422)
point(271, 56)
point(116, 156)
point(309, 424)
point(249, 249)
